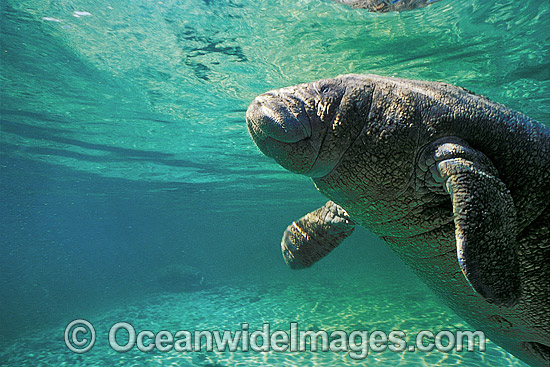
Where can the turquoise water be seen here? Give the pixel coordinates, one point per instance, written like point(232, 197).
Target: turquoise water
point(125, 161)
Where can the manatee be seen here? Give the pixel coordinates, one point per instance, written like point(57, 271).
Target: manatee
point(455, 184)
point(383, 6)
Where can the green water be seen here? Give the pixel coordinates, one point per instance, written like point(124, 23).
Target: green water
point(123, 150)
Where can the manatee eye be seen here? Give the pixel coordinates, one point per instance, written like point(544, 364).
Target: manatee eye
point(324, 88)
point(321, 87)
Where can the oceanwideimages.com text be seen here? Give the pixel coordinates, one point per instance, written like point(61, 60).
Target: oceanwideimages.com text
point(80, 337)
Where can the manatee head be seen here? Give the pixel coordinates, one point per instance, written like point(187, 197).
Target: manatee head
point(307, 128)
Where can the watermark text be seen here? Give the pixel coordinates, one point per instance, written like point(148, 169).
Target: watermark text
point(80, 337)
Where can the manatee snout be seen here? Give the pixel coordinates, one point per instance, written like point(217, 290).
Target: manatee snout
point(281, 128)
point(304, 127)
point(279, 118)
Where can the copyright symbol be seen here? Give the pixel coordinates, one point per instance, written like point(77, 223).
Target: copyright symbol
point(74, 339)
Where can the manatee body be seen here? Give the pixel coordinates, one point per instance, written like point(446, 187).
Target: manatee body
point(456, 185)
point(383, 6)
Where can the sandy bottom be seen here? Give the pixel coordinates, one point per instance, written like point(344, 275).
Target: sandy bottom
point(313, 305)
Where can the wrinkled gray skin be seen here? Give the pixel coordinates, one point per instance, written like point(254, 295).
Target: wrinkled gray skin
point(383, 6)
point(456, 185)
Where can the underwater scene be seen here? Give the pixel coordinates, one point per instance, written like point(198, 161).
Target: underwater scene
point(138, 213)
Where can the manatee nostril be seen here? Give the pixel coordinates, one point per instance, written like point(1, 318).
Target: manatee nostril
point(277, 119)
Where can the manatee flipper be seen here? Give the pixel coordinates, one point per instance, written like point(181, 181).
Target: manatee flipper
point(484, 217)
point(313, 236)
